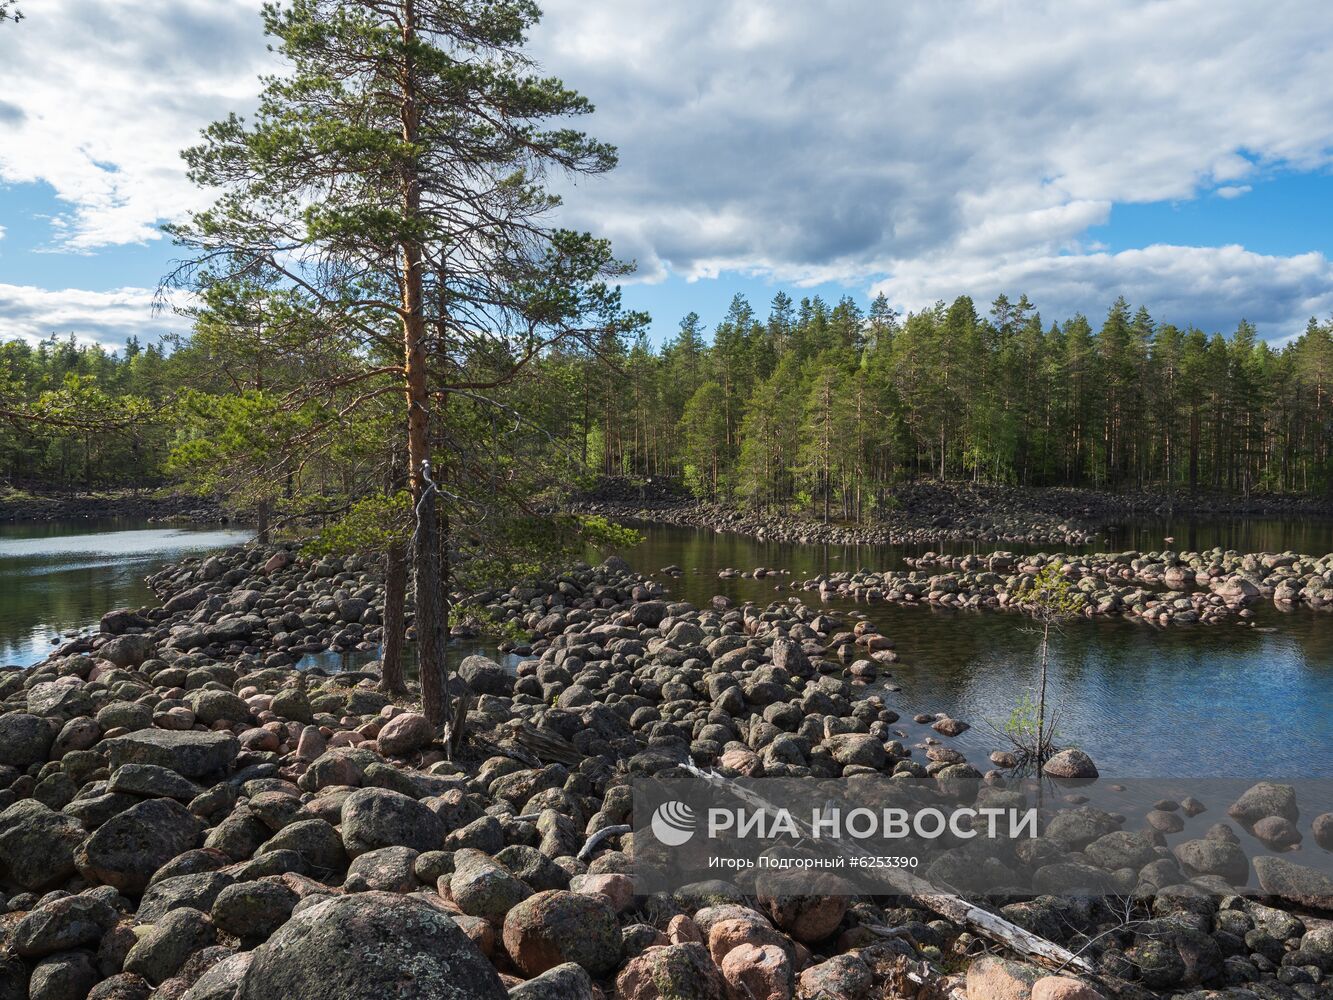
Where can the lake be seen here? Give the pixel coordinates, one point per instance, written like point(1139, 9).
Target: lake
point(57, 577)
point(1229, 700)
point(1225, 700)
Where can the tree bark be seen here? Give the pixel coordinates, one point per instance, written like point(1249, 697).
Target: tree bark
point(395, 590)
point(431, 638)
point(261, 516)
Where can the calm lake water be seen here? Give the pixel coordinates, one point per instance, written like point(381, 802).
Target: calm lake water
point(1222, 701)
point(57, 577)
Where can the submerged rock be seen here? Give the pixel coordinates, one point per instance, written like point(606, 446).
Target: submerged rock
point(1070, 764)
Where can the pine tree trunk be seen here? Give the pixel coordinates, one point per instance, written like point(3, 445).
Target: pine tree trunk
point(1041, 697)
point(395, 590)
point(430, 622)
point(261, 517)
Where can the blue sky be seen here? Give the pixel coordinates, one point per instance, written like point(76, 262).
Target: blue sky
point(1176, 153)
point(1288, 213)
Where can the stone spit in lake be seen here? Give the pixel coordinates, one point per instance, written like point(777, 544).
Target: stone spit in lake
point(183, 815)
point(1162, 588)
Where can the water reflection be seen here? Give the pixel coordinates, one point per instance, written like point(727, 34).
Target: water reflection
point(57, 577)
point(1228, 700)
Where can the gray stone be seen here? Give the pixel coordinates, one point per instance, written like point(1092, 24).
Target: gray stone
point(253, 910)
point(196, 891)
point(62, 924)
point(66, 976)
point(152, 781)
point(189, 753)
point(222, 980)
point(1215, 857)
point(370, 946)
point(376, 817)
point(166, 946)
point(1265, 799)
point(564, 982)
point(127, 650)
point(315, 840)
point(59, 700)
point(389, 869)
point(482, 888)
point(128, 848)
point(484, 676)
point(217, 706)
point(25, 739)
point(1294, 884)
point(37, 845)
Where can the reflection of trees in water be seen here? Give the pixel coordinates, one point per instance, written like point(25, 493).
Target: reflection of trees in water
point(41, 602)
point(1244, 534)
point(1196, 697)
point(48, 590)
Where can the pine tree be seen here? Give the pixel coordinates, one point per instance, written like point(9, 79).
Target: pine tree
point(394, 175)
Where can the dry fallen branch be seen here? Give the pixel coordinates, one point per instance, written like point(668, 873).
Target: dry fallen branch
point(603, 834)
point(989, 925)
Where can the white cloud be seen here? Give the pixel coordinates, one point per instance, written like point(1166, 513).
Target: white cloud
point(840, 140)
point(1211, 287)
point(106, 318)
point(100, 98)
point(910, 145)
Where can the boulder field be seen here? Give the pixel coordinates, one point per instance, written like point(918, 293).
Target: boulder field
point(185, 815)
point(928, 512)
point(1162, 588)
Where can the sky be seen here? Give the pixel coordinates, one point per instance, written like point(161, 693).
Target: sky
point(1176, 152)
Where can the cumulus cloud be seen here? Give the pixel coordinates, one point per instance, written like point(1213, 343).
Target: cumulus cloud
point(101, 96)
point(106, 318)
point(854, 140)
point(908, 147)
point(1210, 287)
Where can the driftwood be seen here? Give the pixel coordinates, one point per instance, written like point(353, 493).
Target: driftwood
point(917, 980)
point(604, 833)
point(542, 743)
point(988, 925)
point(455, 730)
point(504, 749)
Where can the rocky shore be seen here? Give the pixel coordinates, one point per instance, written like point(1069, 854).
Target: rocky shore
point(929, 513)
point(150, 504)
point(183, 815)
point(1162, 588)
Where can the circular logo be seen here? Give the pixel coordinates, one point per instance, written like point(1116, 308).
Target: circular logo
point(673, 823)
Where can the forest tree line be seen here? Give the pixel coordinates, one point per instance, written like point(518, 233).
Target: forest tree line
point(811, 406)
point(818, 405)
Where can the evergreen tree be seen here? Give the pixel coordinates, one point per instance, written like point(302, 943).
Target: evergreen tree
point(703, 436)
point(394, 175)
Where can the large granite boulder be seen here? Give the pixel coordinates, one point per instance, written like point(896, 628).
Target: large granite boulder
point(128, 848)
point(371, 946)
point(189, 753)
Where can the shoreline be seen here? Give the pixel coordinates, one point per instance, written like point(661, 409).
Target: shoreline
point(37, 506)
point(272, 806)
point(931, 513)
